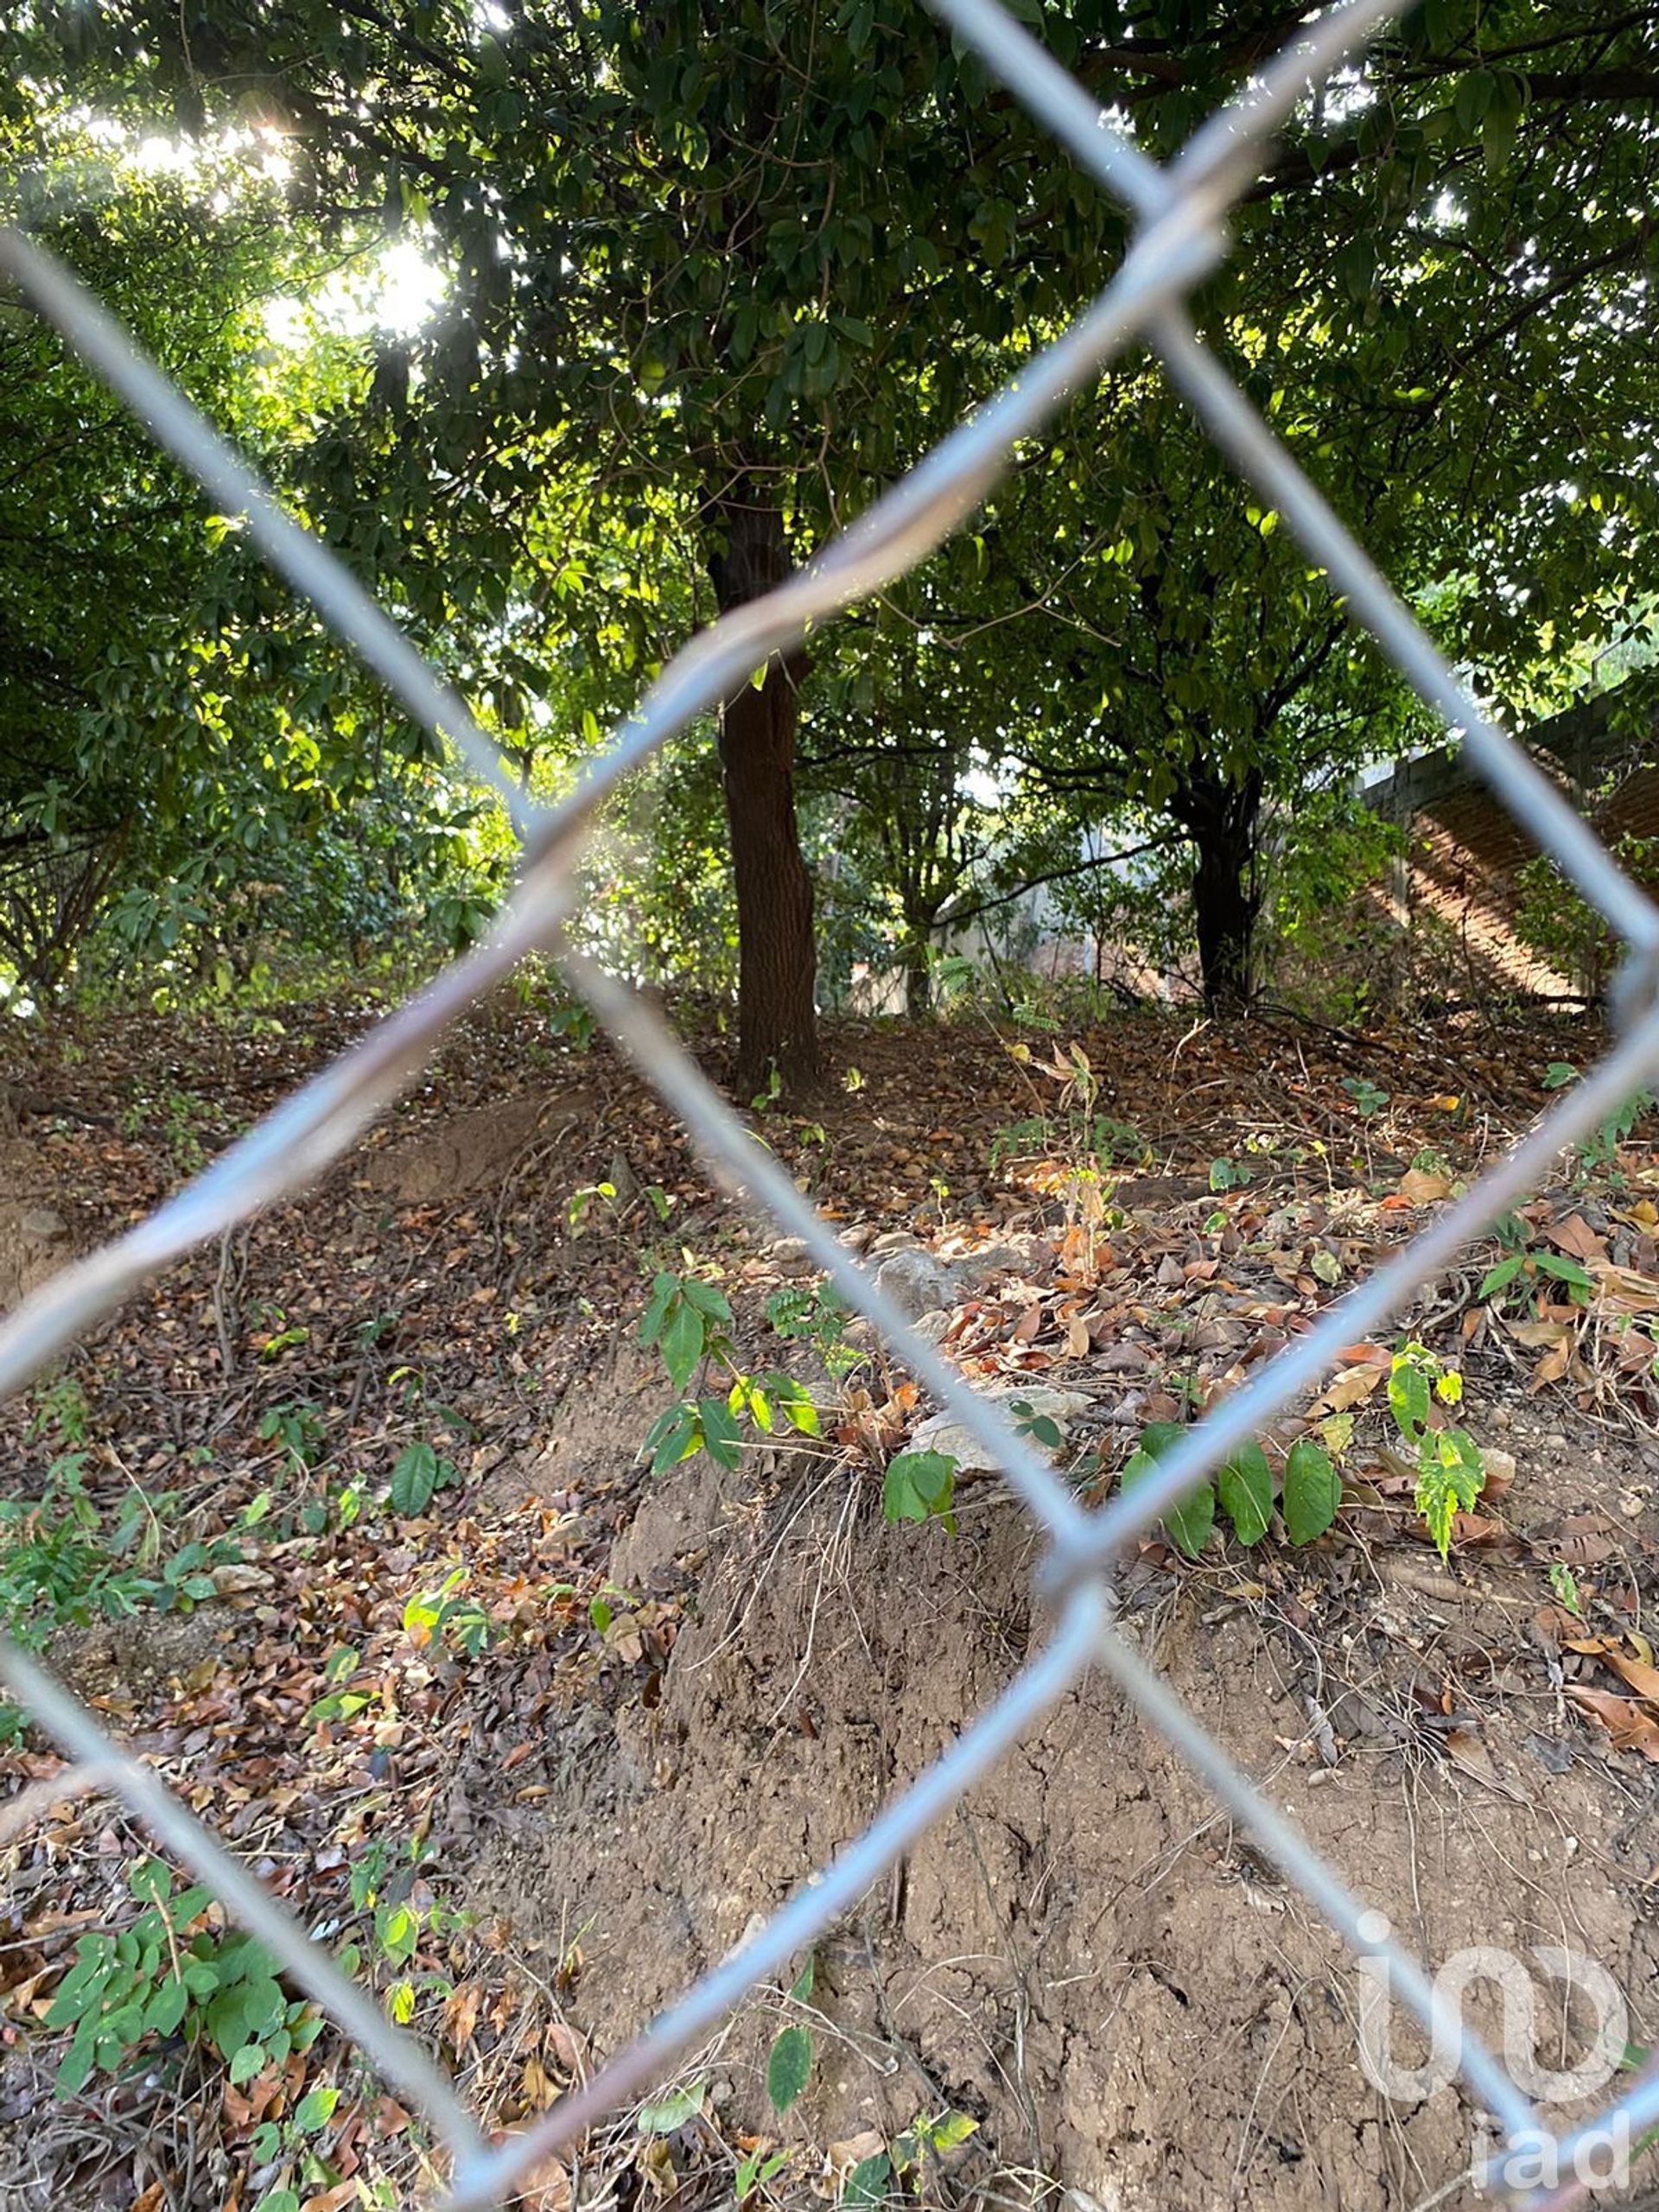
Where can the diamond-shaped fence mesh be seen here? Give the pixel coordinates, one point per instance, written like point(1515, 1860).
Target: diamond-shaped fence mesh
point(1181, 210)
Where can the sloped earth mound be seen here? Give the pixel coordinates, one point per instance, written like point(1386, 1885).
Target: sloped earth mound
point(698, 1688)
point(36, 1239)
point(1085, 1956)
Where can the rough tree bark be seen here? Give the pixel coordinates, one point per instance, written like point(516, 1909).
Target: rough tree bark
point(777, 1017)
point(1221, 818)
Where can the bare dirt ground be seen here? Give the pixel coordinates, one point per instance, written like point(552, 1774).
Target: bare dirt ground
point(1086, 1958)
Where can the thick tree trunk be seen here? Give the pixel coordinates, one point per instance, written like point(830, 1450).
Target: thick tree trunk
point(777, 1018)
point(1221, 818)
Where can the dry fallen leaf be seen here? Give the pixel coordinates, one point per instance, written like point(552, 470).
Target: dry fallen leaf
point(1586, 1550)
point(841, 2157)
point(1351, 1387)
point(1576, 1238)
point(1631, 1727)
point(1535, 1334)
point(331, 2200)
point(1622, 1290)
point(1552, 1366)
point(1418, 1188)
point(1636, 1673)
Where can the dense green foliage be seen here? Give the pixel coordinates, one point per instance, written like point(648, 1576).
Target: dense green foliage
point(700, 295)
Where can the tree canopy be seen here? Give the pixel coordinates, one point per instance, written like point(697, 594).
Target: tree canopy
point(702, 297)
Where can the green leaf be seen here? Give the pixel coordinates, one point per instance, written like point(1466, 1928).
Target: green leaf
point(956, 2128)
point(1246, 1487)
point(75, 2066)
point(674, 1435)
point(151, 1880)
point(246, 2062)
point(794, 1401)
point(1409, 1398)
point(918, 1484)
point(1501, 1276)
point(1312, 1491)
point(681, 1342)
point(168, 2006)
point(226, 2021)
point(802, 1988)
point(1563, 1269)
point(664, 1291)
point(1187, 1522)
point(789, 2067)
point(264, 2004)
point(1190, 1520)
point(665, 2114)
point(722, 1439)
point(315, 2109)
point(413, 1481)
point(760, 1408)
point(706, 1299)
point(83, 1986)
point(397, 1930)
point(1041, 1428)
point(868, 2182)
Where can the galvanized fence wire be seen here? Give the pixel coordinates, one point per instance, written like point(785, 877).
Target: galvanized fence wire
point(1181, 210)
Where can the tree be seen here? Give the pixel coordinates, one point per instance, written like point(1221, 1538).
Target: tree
point(706, 247)
point(699, 261)
point(110, 709)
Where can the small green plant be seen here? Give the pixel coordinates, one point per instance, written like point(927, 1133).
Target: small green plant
point(770, 1091)
point(931, 2138)
point(282, 2144)
point(1228, 1174)
point(1073, 1151)
point(419, 1473)
point(1451, 1474)
point(55, 1569)
point(580, 1206)
point(61, 1409)
point(340, 1704)
point(788, 2064)
point(755, 2169)
point(573, 1024)
point(1599, 1154)
point(1564, 1588)
point(1529, 1271)
point(383, 1881)
point(689, 1322)
point(297, 1427)
point(448, 1614)
point(1368, 1098)
point(1097, 1136)
point(158, 1978)
point(818, 1317)
point(919, 1487)
point(1309, 1490)
point(64, 1560)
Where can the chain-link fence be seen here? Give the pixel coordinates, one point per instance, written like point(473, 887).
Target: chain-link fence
point(1180, 238)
